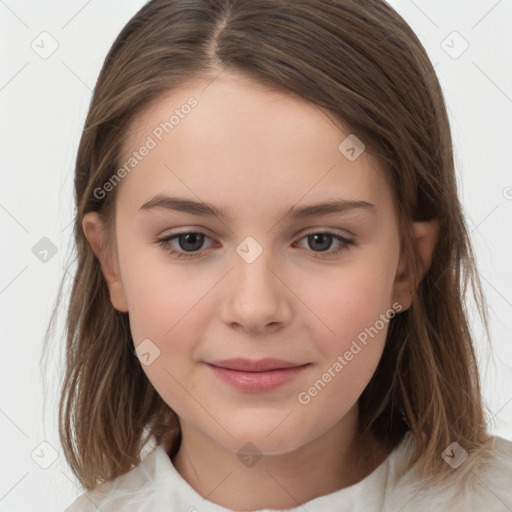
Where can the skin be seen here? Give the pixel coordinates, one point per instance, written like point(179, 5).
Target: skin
point(257, 152)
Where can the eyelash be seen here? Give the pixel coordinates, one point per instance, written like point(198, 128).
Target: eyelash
point(165, 244)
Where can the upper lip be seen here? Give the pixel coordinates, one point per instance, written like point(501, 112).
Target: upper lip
point(250, 365)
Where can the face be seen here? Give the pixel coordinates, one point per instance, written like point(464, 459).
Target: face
point(253, 281)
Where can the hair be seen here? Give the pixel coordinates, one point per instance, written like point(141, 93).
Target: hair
point(361, 62)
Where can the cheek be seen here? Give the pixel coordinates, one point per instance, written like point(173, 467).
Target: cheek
point(168, 322)
point(169, 312)
point(358, 317)
point(345, 302)
point(356, 308)
point(161, 294)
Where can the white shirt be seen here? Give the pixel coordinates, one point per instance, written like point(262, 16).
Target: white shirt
point(156, 486)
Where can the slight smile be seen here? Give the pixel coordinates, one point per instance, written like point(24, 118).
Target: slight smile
point(256, 376)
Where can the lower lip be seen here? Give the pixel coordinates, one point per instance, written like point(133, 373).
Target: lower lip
point(257, 382)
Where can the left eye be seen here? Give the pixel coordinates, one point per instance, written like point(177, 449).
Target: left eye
point(190, 242)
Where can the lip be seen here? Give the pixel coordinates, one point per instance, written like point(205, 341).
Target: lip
point(256, 375)
point(250, 365)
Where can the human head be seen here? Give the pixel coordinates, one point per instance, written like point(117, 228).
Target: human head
point(370, 72)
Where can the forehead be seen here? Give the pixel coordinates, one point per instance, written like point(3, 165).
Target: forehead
point(238, 142)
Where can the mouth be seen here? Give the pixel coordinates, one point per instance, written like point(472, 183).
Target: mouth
point(256, 375)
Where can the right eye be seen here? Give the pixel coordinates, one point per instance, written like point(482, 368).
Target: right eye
point(190, 242)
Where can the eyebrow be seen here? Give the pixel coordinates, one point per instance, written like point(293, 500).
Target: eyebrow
point(338, 206)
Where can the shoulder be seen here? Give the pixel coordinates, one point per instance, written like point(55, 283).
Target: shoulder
point(487, 487)
point(133, 491)
point(496, 477)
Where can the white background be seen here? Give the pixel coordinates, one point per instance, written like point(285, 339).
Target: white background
point(43, 107)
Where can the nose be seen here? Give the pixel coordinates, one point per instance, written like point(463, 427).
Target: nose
point(255, 297)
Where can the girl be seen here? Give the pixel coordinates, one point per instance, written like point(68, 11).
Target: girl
point(255, 369)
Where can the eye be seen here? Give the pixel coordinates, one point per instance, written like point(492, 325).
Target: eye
point(190, 243)
point(322, 241)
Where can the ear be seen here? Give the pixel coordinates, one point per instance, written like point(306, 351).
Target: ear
point(94, 232)
point(426, 236)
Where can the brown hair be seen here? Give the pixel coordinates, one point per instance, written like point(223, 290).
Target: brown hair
point(364, 64)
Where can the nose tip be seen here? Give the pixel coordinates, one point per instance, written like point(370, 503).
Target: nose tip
point(255, 300)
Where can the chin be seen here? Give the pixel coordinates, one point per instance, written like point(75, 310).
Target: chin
point(268, 435)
